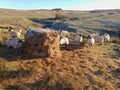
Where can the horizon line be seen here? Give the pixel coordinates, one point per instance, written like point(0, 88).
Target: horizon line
point(62, 9)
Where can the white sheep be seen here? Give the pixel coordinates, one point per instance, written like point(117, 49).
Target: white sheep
point(63, 33)
point(19, 32)
point(106, 37)
point(98, 38)
point(90, 40)
point(78, 38)
point(64, 40)
point(14, 44)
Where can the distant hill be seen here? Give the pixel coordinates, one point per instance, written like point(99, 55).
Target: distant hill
point(106, 10)
point(83, 22)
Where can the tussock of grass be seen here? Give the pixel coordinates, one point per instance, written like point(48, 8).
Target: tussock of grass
point(116, 40)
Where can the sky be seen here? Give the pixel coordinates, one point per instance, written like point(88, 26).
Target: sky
point(63, 4)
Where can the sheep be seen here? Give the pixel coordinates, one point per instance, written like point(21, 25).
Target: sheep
point(14, 44)
point(64, 40)
point(13, 33)
point(90, 40)
point(106, 37)
point(78, 38)
point(20, 29)
point(98, 38)
point(19, 32)
point(63, 33)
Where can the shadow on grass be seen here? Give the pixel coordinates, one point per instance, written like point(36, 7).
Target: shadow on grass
point(116, 51)
point(112, 32)
point(116, 74)
point(42, 84)
point(37, 86)
point(52, 24)
point(15, 74)
point(72, 46)
point(7, 55)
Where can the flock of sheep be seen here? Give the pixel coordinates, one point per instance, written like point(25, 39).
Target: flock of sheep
point(91, 39)
point(14, 43)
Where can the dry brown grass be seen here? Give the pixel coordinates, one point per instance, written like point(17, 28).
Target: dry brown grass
point(79, 67)
point(116, 40)
point(82, 68)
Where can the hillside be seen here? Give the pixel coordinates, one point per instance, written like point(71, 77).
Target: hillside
point(74, 21)
point(84, 68)
point(80, 67)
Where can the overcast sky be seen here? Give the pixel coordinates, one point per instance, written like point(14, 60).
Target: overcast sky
point(64, 4)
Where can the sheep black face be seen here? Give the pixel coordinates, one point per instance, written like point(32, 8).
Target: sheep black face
point(89, 36)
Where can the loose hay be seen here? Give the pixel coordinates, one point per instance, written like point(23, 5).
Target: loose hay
point(43, 43)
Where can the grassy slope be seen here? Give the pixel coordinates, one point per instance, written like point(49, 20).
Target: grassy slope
point(78, 68)
point(82, 22)
point(13, 17)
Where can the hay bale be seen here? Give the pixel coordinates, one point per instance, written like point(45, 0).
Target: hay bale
point(42, 43)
